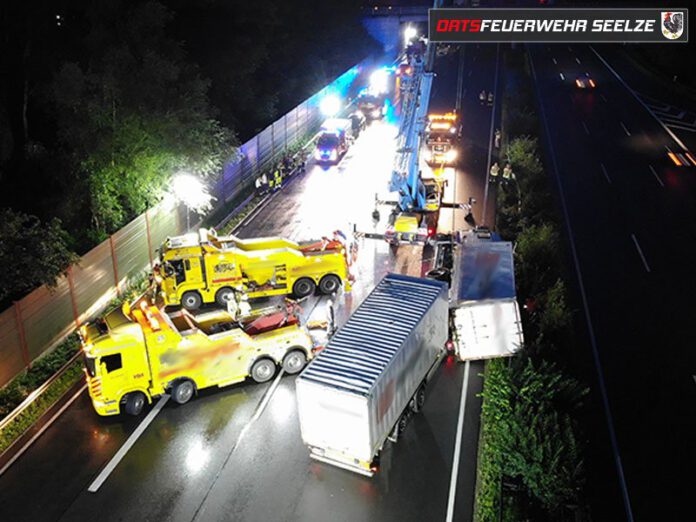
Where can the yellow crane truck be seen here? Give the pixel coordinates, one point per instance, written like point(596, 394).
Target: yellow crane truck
point(136, 354)
point(204, 268)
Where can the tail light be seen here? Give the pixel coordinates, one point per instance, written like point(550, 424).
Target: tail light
point(578, 83)
point(592, 83)
point(449, 345)
point(431, 232)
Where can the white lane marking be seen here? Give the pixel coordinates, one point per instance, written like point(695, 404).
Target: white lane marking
point(603, 97)
point(624, 128)
point(259, 410)
point(554, 61)
point(457, 446)
point(562, 76)
point(104, 474)
point(640, 253)
point(578, 272)
point(656, 176)
point(266, 398)
point(577, 60)
point(42, 430)
point(645, 105)
point(604, 171)
point(587, 131)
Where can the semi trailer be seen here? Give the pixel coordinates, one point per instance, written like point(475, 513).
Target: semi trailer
point(484, 312)
point(363, 387)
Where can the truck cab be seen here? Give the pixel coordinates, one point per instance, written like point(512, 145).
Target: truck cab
point(441, 135)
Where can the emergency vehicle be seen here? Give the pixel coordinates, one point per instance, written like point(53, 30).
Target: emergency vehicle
point(441, 136)
point(138, 353)
point(204, 268)
point(372, 105)
point(335, 138)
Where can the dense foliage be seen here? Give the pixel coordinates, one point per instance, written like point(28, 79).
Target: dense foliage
point(32, 253)
point(103, 101)
point(531, 460)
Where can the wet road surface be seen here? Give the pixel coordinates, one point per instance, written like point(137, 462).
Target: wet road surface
point(221, 457)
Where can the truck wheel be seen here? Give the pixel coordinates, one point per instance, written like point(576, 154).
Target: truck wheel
point(135, 402)
point(182, 391)
point(191, 300)
point(403, 422)
point(329, 284)
point(223, 296)
point(294, 361)
point(419, 399)
point(303, 287)
point(263, 370)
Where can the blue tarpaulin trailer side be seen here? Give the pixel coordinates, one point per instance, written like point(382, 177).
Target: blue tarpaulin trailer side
point(351, 396)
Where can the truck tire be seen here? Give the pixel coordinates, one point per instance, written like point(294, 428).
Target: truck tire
point(303, 287)
point(182, 391)
point(402, 423)
point(135, 402)
point(224, 295)
point(191, 300)
point(329, 284)
point(263, 370)
point(419, 399)
point(294, 361)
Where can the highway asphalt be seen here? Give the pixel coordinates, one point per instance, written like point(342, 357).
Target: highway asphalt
point(236, 453)
point(630, 214)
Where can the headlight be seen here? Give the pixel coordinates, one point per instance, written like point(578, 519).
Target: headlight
point(451, 155)
point(376, 113)
point(334, 154)
point(453, 130)
point(317, 154)
point(427, 155)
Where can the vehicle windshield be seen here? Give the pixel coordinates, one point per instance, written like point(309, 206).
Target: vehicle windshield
point(90, 365)
point(368, 100)
point(327, 141)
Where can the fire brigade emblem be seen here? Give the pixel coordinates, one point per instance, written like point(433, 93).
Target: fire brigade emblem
point(672, 24)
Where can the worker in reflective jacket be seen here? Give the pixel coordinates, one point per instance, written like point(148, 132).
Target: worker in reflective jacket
point(277, 178)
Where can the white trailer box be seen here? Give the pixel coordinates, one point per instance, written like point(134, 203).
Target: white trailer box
point(485, 315)
point(353, 393)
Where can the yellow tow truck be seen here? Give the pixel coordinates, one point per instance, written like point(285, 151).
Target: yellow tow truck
point(204, 268)
point(138, 353)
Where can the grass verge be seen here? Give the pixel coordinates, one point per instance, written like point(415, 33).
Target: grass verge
point(531, 451)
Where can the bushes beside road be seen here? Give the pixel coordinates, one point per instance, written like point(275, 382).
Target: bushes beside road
point(531, 463)
point(22, 386)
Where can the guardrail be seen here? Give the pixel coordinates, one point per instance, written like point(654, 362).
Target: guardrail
point(37, 392)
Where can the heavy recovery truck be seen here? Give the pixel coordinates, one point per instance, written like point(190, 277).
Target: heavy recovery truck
point(139, 352)
point(204, 268)
point(441, 135)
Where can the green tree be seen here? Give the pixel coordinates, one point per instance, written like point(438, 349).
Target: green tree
point(556, 316)
point(31, 253)
point(540, 438)
point(522, 154)
point(135, 113)
point(537, 254)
